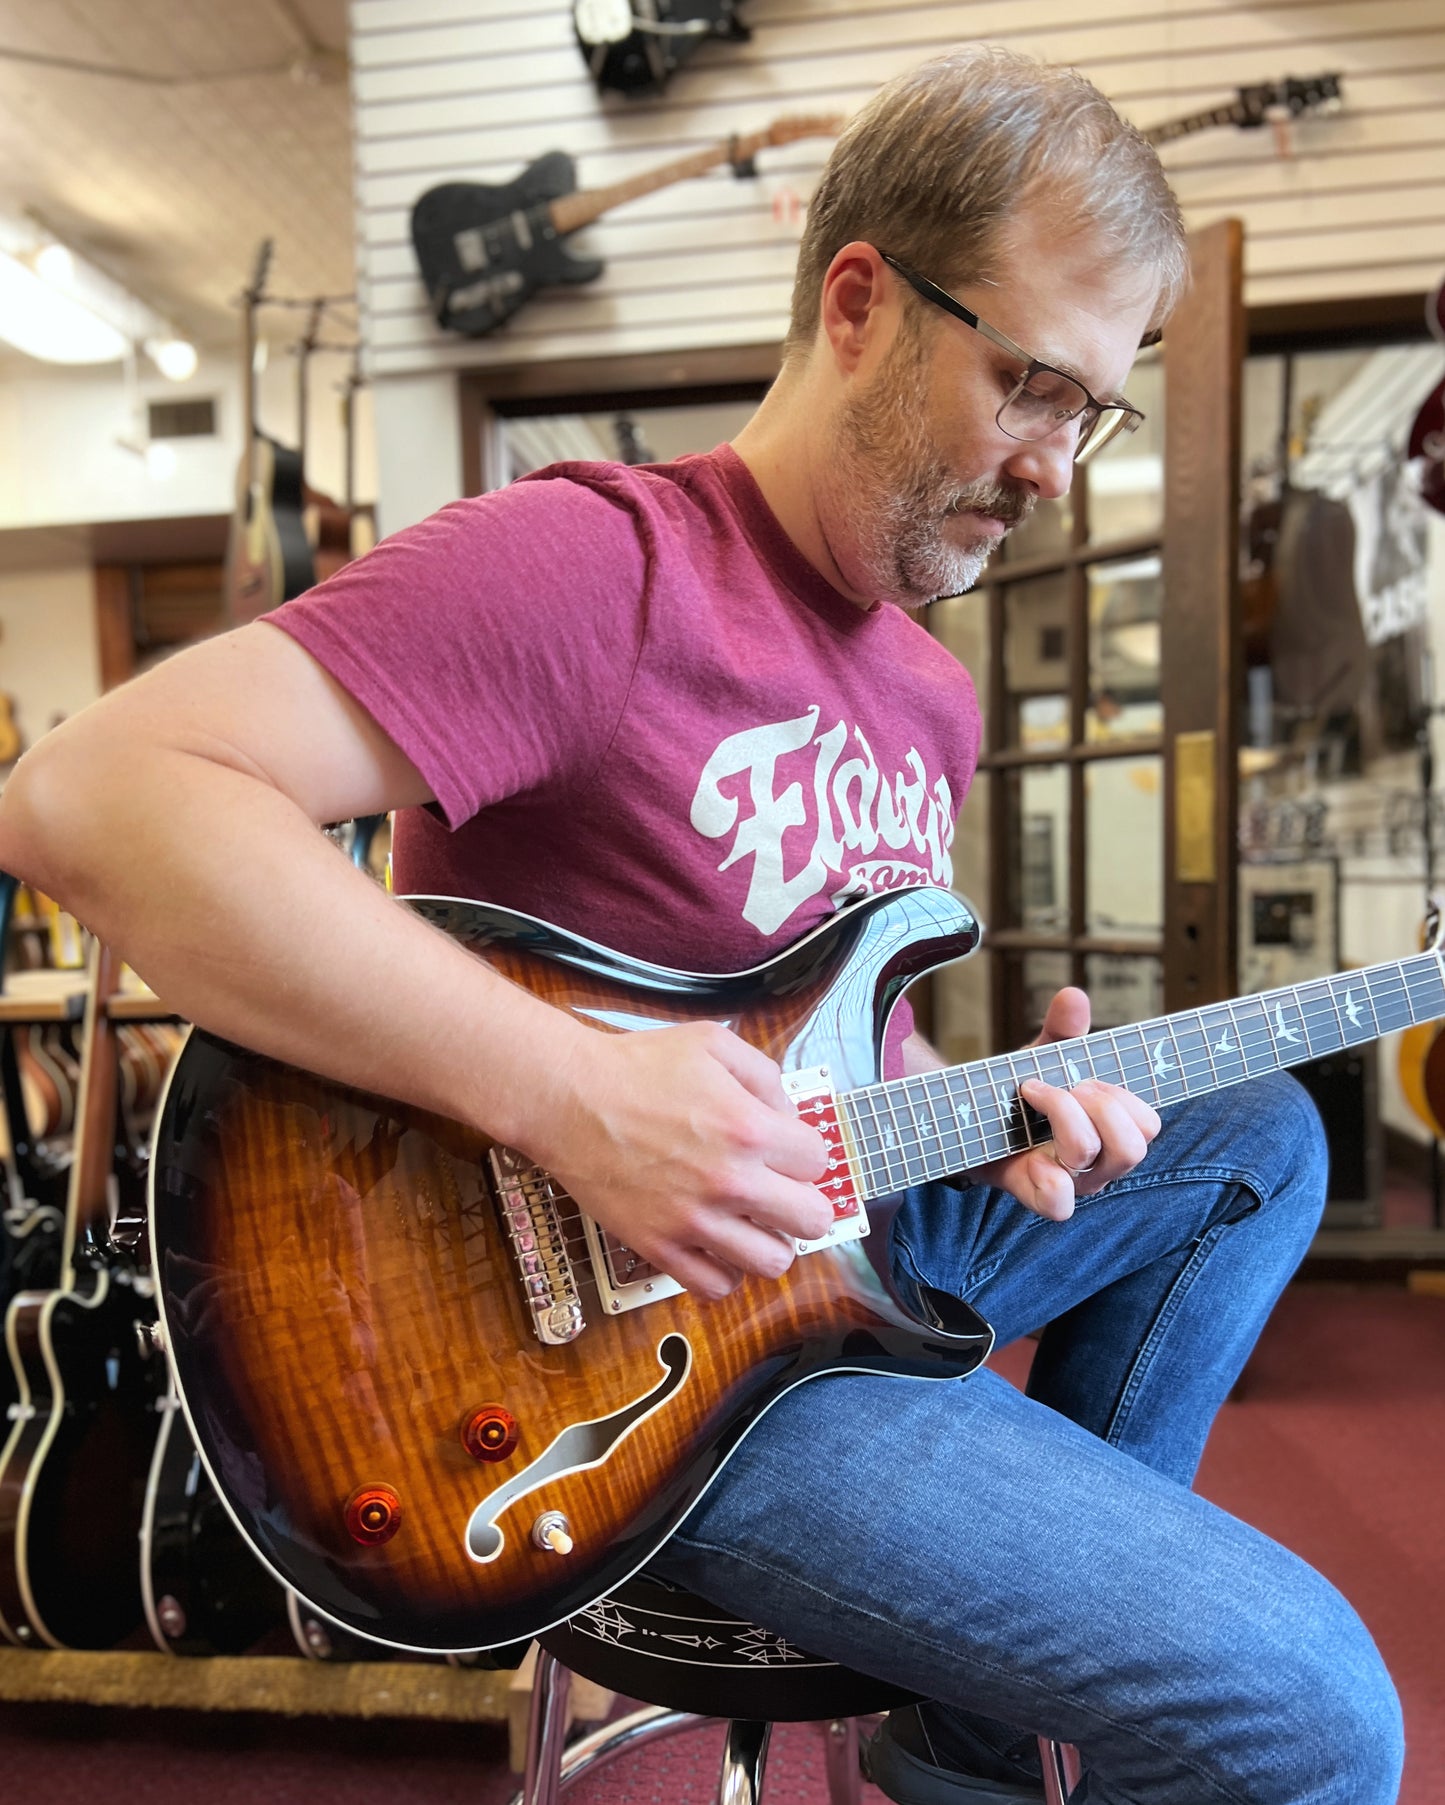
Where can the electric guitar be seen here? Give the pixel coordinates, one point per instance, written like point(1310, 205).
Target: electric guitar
point(448, 1408)
point(1256, 106)
point(73, 1467)
point(483, 248)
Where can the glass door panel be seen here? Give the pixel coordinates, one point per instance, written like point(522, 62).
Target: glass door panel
point(1039, 854)
point(1124, 987)
point(1124, 832)
point(1036, 662)
point(1048, 531)
point(1124, 603)
point(1125, 481)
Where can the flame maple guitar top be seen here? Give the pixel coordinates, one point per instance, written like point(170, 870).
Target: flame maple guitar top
point(341, 1299)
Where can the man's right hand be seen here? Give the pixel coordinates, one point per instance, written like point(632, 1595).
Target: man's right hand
point(683, 1143)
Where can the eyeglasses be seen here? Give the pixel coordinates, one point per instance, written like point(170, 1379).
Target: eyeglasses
point(1044, 399)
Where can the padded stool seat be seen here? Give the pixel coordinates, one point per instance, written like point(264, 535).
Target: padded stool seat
point(694, 1661)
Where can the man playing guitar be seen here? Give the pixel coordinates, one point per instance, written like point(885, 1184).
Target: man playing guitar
point(685, 710)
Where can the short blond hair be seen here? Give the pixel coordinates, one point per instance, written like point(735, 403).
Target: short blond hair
point(936, 164)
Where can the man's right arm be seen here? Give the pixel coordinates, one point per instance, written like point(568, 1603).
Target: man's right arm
point(177, 818)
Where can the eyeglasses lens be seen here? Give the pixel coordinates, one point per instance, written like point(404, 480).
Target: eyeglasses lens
point(1046, 399)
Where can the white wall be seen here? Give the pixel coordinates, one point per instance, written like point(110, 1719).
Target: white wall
point(49, 655)
point(61, 460)
point(474, 89)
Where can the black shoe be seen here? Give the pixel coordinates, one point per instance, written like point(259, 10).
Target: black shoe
point(898, 1760)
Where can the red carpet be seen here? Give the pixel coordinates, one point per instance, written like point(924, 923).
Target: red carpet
point(1334, 1444)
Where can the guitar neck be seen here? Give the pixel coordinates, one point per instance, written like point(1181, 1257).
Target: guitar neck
point(906, 1131)
point(1228, 114)
point(573, 211)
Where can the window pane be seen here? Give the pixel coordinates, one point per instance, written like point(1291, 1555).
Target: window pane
point(1048, 531)
point(1036, 661)
point(1124, 604)
point(1038, 884)
point(1040, 977)
point(961, 1014)
point(1123, 988)
point(1125, 837)
point(960, 622)
point(1126, 479)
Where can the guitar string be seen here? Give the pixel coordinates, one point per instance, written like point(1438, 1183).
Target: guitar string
point(1254, 1035)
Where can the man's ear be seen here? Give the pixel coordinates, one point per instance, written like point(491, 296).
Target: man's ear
point(859, 306)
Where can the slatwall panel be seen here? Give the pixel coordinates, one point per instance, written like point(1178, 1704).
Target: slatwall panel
point(450, 90)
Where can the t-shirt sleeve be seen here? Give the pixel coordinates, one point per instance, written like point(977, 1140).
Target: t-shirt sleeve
point(495, 642)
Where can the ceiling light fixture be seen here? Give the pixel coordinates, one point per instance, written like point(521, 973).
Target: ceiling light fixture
point(59, 308)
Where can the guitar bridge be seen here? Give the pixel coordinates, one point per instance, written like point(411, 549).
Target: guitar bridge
point(529, 1203)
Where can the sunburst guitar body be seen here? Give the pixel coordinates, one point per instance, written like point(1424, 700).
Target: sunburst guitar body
point(439, 1403)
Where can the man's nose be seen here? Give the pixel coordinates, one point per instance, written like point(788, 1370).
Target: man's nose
point(1047, 465)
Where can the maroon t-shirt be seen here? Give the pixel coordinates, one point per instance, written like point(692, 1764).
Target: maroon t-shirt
point(644, 715)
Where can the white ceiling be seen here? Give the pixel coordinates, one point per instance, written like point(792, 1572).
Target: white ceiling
point(219, 123)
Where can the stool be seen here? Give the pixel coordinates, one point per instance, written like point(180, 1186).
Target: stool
point(695, 1662)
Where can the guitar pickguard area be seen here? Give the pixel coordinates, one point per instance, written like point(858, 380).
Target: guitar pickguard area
point(578, 1447)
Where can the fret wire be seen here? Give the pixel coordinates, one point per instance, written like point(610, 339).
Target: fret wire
point(900, 1136)
point(968, 1128)
point(882, 1147)
point(891, 1137)
point(938, 1124)
point(1209, 1051)
point(978, 1114)
point(1370, 998)
point(1339, 1019)
point(1014, 1118)
point(1260, 1024)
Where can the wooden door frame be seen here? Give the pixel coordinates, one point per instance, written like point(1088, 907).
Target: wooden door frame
point(1201, 652)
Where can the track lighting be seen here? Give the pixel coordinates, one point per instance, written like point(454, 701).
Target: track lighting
point(59, 308)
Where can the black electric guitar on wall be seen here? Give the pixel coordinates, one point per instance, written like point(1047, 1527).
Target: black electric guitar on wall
point(1255, 107)
point(451, 1410)
point(483, 249)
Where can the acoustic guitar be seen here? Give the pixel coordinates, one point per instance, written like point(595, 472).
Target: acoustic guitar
point(448, 1408)
point(268, 557)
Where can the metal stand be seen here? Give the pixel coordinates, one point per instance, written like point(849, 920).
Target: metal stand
point(552, 1768)
point(1062, 1770)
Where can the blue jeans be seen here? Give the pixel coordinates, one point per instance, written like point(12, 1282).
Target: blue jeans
point(1039, 1562)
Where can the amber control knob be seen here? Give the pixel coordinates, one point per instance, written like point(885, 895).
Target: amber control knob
point(489, 1433)
point(373, 1514)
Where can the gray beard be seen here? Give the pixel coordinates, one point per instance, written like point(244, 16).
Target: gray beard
point(886, 453)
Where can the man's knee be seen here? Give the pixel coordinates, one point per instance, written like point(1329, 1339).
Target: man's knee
point(1338, 1733)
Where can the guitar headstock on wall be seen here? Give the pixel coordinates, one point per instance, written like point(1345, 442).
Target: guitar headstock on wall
point(1291, 98)
point(633, 46)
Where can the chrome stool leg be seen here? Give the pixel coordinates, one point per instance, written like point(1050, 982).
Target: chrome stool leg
point(744, 1755)
point(845, 1782)
point(1062, 1771)
point(546, 1730)
point(602, 1745)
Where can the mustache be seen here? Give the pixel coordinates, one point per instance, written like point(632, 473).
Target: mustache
point(1010, 505)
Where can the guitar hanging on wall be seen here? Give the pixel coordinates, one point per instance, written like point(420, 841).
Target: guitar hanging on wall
point(484, 249)
point(633, 46)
